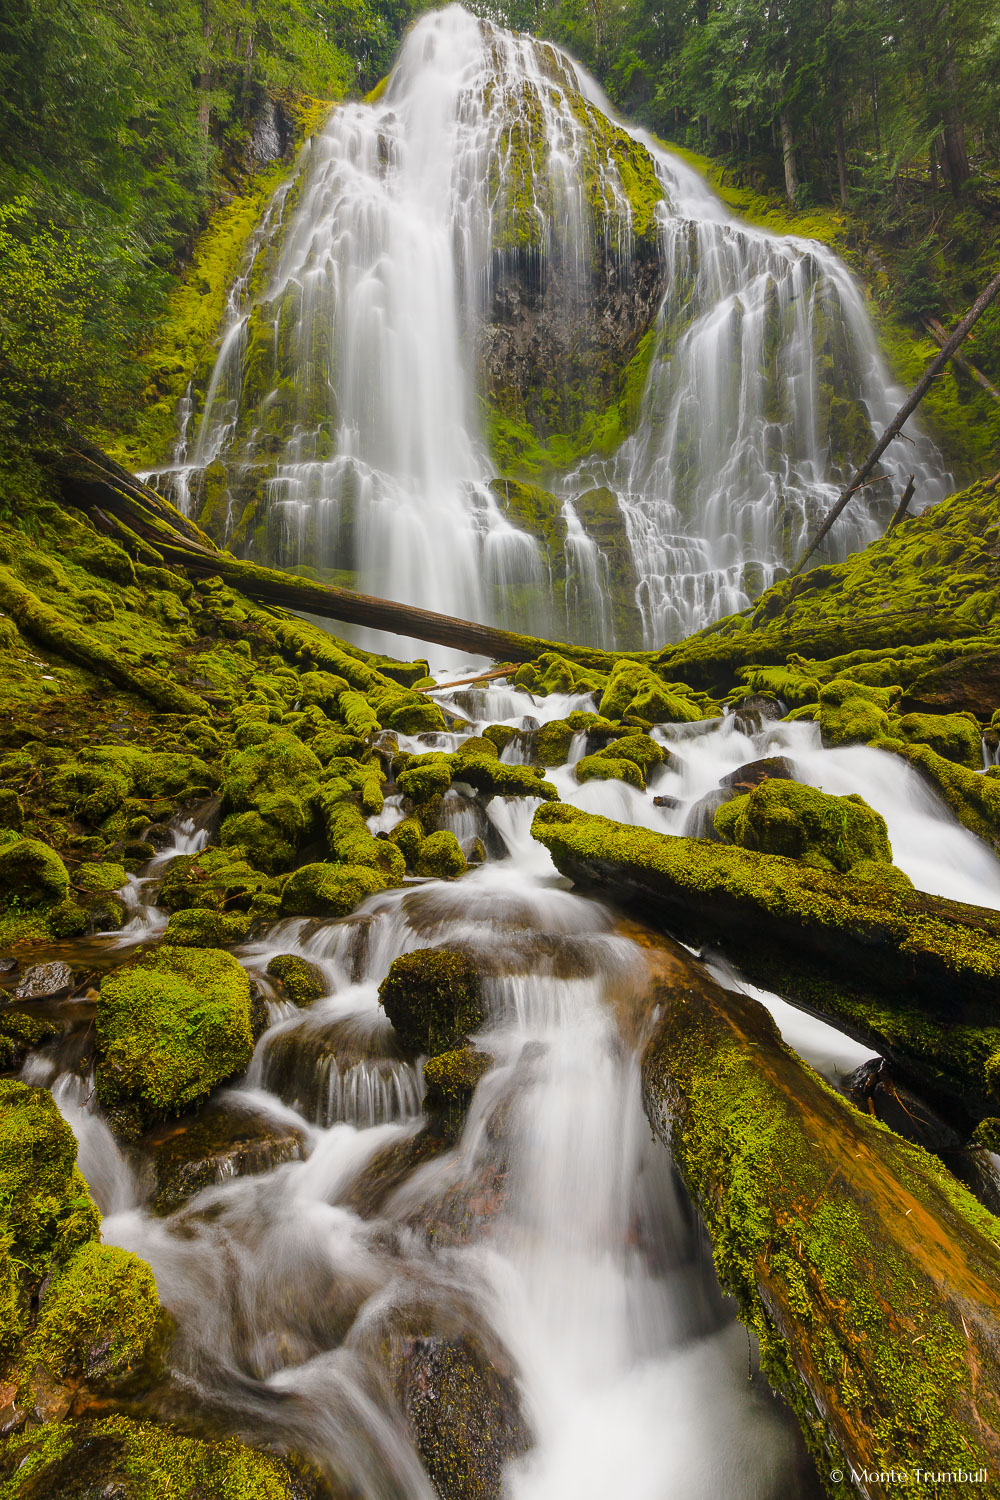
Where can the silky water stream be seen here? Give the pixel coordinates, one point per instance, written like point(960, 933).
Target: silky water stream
point(550, 1243)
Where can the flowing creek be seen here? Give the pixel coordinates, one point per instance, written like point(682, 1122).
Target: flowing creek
point(551, 1238)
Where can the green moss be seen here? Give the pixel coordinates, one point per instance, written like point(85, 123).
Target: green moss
point(137, 1461)
point(45, 1210)
point(451, 1079)
point(329, 890)
point(440, 855)
point(633, 689)
point(98, 879)
point(605, 767)
point(551, 744)
point(97, 1319)
point(408, 835)
point(170, 1026)
point(300, 980)
point(350, 841)
point(432, 997)
point(852, 713)
point(214, 880)
point(956, 737)
point(196, 928)
point(426, 776)
point(786, 817)
point(31, 874)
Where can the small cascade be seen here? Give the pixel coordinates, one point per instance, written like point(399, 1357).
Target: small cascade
point(482, 278)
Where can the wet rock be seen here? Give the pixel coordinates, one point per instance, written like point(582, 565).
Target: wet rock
point(700, 820)
point(756, 710)
point(224, 1141)
point(300, 981)
point(7, 965)
point(432, 997)
point(665, 800)
point(875, 1088)
point(450, 1080)
point(42, 980)
point(348, 1068)
point(969, 683)
point(389, 1168)
point(745, 778)
point(462, 1402)
point(21, 1033)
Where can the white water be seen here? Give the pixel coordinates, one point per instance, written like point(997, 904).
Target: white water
point(552, 1232)
point(344, 402)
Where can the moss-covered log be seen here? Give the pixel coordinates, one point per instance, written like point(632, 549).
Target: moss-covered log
point(910, 975)
point(870, 1276)
point(118, 501)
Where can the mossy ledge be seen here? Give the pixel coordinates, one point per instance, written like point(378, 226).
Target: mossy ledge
point(847, 1249)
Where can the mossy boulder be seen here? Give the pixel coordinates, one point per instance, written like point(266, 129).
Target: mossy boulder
point(408, 835)
point(99, 878)
point(605, 767)
point(635, 689)
point(550, 745)
point(329, 890)
point(553, 673)
point(440, 855)
point(955, 737)
point(280, 766)
point(351, 842)
point(426, 776)
point(433, 999)
point(214, 880)
point(31, 874)
point(97, 1321)
point(197, 928)
point(854, 713)
point(171, 1025)
point(301, 981)
point(139, 1461)
point(11, 811)
point(787, 817)
point(451, 1079)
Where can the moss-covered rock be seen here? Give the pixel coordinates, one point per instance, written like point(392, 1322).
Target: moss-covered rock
point(551, 744)
point(854, 713)
point(634, 689)
point(31, 874)
point(99, 878)
point(786, 817)
point(301, 981)
point(171, 1025)
point(433, 999)
point(45, 1210)
point(97, 1321)
point(138, 1461)
point(197, 928)
point(955, 737)
point(214, 880)
point(329, 890)
point(440, 855)
point(605, 767)
point(451, 1079)
point(426, 776)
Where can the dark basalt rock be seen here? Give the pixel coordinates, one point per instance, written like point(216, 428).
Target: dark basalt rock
point(744, 778)
point(753, 712)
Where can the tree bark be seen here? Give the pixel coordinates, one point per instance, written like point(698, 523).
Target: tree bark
point(870, 1276)
point(940, 336)
point(788, 157)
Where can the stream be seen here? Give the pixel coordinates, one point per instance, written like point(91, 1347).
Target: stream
point(325, 1267)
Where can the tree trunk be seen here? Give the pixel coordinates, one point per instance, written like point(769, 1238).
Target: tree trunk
point(837, 947)
point(788, 157)
point(205, 77)
point(870, 1276)
point(838, 131)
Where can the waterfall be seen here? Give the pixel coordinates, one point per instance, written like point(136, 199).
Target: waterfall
point(495, 353)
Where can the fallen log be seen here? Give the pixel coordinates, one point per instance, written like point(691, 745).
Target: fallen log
point(912, 976)
point(869, 1275)
point(119, 501)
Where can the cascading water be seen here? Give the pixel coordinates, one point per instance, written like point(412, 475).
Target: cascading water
point(329, 1268)
point(453, 286)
